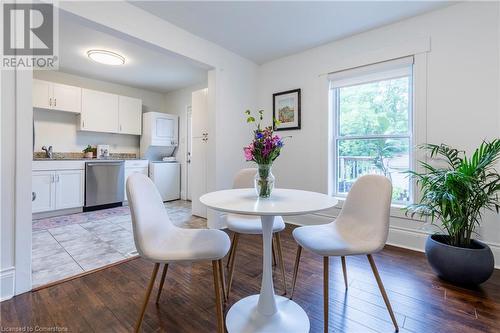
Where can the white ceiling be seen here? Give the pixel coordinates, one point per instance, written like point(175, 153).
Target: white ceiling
point(146, 67)
point(263, 31)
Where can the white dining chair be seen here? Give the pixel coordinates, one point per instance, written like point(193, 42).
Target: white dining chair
point(158, 240)
point(360, 229)
point(250, 225)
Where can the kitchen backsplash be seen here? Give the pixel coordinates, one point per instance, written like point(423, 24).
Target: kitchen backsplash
point(78, 155)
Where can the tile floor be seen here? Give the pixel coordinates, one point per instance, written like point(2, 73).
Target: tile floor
point(64, 246)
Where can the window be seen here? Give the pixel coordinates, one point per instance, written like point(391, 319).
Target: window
point(372, 125)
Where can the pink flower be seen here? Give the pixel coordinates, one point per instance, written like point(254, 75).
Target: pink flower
point(248, 151)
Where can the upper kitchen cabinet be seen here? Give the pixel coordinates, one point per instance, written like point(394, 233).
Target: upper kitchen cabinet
point(130, 115)
point(55, 96)
point(99, 112)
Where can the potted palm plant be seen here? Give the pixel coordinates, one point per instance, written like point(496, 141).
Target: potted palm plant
point(455, 198)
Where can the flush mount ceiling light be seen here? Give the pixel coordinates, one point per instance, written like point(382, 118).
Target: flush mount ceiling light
point(106, 57)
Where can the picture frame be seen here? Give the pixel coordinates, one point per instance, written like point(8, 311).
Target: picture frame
point(286, 109)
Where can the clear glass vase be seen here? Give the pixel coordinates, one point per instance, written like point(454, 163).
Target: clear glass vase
point(264, 180)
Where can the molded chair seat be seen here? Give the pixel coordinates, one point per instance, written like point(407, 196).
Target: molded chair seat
point(250, 225)
point(189, 245)
point(328, 241)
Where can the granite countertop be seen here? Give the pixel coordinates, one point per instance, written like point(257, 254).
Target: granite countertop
point(89, 159)
point(40, 156)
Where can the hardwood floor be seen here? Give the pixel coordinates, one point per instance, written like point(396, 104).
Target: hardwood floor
point(110, 300)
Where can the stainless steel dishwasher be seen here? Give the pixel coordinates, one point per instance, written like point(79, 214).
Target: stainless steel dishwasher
point(104, 181)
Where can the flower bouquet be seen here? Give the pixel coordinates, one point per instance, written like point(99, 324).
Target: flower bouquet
point(263, 150)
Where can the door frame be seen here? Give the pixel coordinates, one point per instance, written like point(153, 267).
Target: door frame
point(187, 156)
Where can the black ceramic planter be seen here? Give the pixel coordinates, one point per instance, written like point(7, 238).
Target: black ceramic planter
point(463, 266)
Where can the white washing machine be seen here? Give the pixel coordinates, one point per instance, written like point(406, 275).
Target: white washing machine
point(167, 178)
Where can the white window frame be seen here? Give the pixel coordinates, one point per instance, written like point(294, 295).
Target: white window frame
point(351, 79)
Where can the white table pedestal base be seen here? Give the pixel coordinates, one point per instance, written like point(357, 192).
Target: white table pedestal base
point(243, 317)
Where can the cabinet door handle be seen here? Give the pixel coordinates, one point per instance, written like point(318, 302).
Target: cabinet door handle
point(33, 196)
point(52, 178)
point(57, 178)
point(50, 101)
point(83, 123)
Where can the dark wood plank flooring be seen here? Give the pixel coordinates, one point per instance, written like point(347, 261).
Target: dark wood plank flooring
point(109, 300)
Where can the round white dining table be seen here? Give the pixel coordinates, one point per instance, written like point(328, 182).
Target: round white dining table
point(267, 312)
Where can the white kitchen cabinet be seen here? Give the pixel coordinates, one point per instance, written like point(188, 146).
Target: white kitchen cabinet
point(132, 167)
point(57, 185)
point(69, 188)
point(42, 94)
point(99, 112)
point(130, 115)
point(43, 191)
point(56, 96)
point(131, 171)
point(66, 98)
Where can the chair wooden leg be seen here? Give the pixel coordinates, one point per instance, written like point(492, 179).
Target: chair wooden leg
point(282, 262)
point(231, 265)
point(218, 302)
point(222, 280)
point(344, 270)
point(231, 250)
point(160, 288)
point(325, 292)
point(296, 269)
point(382, 291)
point(146, 298)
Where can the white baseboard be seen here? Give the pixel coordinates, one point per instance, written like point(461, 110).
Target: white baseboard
point(7, 281)
point(407, 238)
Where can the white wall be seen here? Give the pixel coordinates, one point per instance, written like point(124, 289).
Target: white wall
point(59, 129)
point(462, 96)
point(7, 137)
point(176, 102)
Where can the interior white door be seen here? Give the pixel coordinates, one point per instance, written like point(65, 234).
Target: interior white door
point(188, 151)
point(130, 114)
point(198, 176)
point(44, 191)
point(199, 106)
point(99, 111)
point(66, 98)
point(199, 140)
point(42, 94)
point(69, 188)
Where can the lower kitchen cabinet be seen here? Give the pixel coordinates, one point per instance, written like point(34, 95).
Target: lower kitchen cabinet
point(131, 171)
point(69, 189)
point(54, 190)
point(43, 191)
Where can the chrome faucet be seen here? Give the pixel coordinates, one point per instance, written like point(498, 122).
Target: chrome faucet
point(48, 152)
